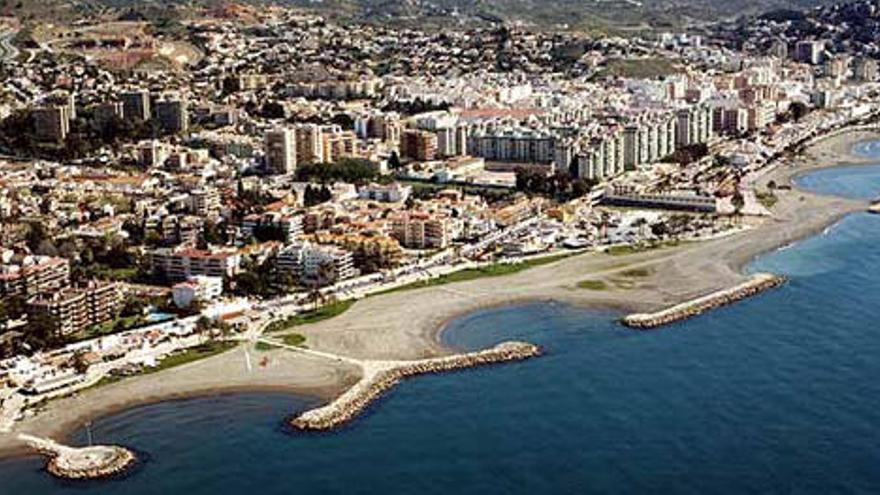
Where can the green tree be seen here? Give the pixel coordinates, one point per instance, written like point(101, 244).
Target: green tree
point(14, 307)
point(394, 161)
point(798, 110)
point(738, 202)
point(204, 325)
point(273, 110)
point(36, 235)
point(41, 331)
point(78, 362)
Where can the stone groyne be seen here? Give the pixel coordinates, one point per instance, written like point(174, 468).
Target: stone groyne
point(380, 376)
point(755, 285)
point(83, 463)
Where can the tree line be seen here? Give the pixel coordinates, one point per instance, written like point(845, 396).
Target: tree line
point(559, 185)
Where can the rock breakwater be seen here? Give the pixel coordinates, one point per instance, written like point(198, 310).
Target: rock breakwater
point(757, 284)
point(93, 462)
point(380, 376)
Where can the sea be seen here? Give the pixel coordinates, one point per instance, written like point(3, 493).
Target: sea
point(776, 394)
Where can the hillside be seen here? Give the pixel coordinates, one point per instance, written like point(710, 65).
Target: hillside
point(584, 15)
point(574, 13)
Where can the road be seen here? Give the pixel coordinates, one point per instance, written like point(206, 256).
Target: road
point(7, 50)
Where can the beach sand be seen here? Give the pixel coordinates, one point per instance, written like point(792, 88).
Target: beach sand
point(406, 325)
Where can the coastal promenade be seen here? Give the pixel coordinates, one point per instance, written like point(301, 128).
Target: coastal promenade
point(404, 325)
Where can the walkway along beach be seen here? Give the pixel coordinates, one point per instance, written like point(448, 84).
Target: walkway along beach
point(757, 284)
point(403, 327)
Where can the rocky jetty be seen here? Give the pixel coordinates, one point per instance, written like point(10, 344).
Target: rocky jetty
point(81, 463)
point(755, 285)
point(380, 376)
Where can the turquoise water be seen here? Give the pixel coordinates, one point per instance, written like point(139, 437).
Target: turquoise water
point(857, 181)
point(870, 149)
point(777, 394)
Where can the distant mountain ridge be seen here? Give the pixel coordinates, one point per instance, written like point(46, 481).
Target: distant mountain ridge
point(583, 14)
point(572, 12)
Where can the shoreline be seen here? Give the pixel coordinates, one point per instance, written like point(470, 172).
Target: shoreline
point(409, 325)
point(63, 416)
point(841, 148)
point(20, 451)
point(437, 334)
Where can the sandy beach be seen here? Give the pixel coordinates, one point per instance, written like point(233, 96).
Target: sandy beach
point(406, 325)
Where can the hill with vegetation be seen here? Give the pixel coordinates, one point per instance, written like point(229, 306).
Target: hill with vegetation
point(585, 15)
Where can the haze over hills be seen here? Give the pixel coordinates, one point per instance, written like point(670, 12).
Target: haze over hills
point(576, 14)
point(563, 11)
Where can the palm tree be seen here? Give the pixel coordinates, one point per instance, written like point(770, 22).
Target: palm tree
point(327, 273)
point(326, 276)
point(203, 326)
point(738, 202)
point(640, 224)
point(603, 224)
point(315, 295)
point(78, 362)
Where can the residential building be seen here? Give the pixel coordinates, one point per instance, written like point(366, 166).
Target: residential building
point(107, 111)
point(809, 51)
point(290, 226)
point(172, 115)
point(185, 263)
point(104, 300)
point(51, 123)
point(309, 143)
point(204, 202)
point(418, 145)
point(420, 230)
point(280, 149)
point(32, 275)
point(338, 144)
point(136, 105)
point(66, 309)
point(388, 193)
point(865, 69)
point(694, 126)
point(152, 153)
point(74, 309)
point(315, 264)
point(513, 145)
point(731, 120)
point(198, 288)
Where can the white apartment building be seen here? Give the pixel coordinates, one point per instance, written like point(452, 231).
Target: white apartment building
point(186, 263)
point(198, 288)
point(316, 264)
